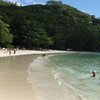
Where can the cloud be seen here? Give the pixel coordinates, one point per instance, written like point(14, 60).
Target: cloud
point(14, 1)
point(27, 2)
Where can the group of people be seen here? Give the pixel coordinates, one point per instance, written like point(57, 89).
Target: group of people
point(14, 51)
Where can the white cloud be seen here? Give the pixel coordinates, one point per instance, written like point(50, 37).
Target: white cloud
point(14, 1)
point(39, 3)
point(27, 2)
point(33, 2)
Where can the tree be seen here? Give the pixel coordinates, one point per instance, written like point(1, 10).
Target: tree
point(28, 33)
point(36, 38)
point(83, 38)
point(54, 2)
point(2, 2)
point(5, 36)
point(36, 26)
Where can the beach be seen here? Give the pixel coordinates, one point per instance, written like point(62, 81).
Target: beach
point(5, 53)
point(49, 75)
point(14, 84)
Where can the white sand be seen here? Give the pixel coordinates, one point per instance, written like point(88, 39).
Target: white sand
point(5, 53)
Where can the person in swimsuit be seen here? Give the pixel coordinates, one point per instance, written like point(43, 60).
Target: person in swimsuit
point(93, 73)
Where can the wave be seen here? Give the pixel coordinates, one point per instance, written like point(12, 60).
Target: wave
point(60, 81)
point(42, 73)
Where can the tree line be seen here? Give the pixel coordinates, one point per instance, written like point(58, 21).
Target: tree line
point(52, 26)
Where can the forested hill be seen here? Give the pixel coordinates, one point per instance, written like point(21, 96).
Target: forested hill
point(54, 26)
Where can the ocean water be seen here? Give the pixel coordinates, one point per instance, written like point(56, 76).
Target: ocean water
point(66, 76)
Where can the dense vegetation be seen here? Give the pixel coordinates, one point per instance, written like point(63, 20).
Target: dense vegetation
point(54, 25)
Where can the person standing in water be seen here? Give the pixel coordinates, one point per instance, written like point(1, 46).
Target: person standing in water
point(93, 73)
point(43, 55)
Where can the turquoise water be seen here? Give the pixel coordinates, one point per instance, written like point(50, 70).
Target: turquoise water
point(75, 71)
point(66, 76)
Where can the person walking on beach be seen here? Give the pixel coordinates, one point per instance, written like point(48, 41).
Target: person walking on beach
point(14, 51)
point(9, 50)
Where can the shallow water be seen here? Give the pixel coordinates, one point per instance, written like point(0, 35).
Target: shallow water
point(75, 71)
point(66, 77)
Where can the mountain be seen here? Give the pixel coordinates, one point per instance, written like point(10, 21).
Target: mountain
point(55, 26)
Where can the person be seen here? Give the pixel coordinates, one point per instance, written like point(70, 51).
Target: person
point(93, 73)
point(43, 55)
point(14, 50)
point(9, 50)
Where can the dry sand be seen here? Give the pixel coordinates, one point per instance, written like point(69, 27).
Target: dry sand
point(5, 53)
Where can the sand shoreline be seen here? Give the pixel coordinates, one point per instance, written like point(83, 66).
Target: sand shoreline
point(5, 53)
point(13, 74)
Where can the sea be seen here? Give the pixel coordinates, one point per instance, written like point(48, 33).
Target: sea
point(66, 76)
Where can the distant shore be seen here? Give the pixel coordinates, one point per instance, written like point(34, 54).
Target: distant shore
point(5, 53)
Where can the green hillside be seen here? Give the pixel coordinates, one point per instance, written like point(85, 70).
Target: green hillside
point(54, 26)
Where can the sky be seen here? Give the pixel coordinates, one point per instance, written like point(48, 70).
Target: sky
point(91, 7)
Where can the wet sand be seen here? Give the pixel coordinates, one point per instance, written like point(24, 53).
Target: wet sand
point(13, 78)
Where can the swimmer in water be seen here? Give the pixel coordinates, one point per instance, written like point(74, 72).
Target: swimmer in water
point(93, 73)
point(43, 55)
